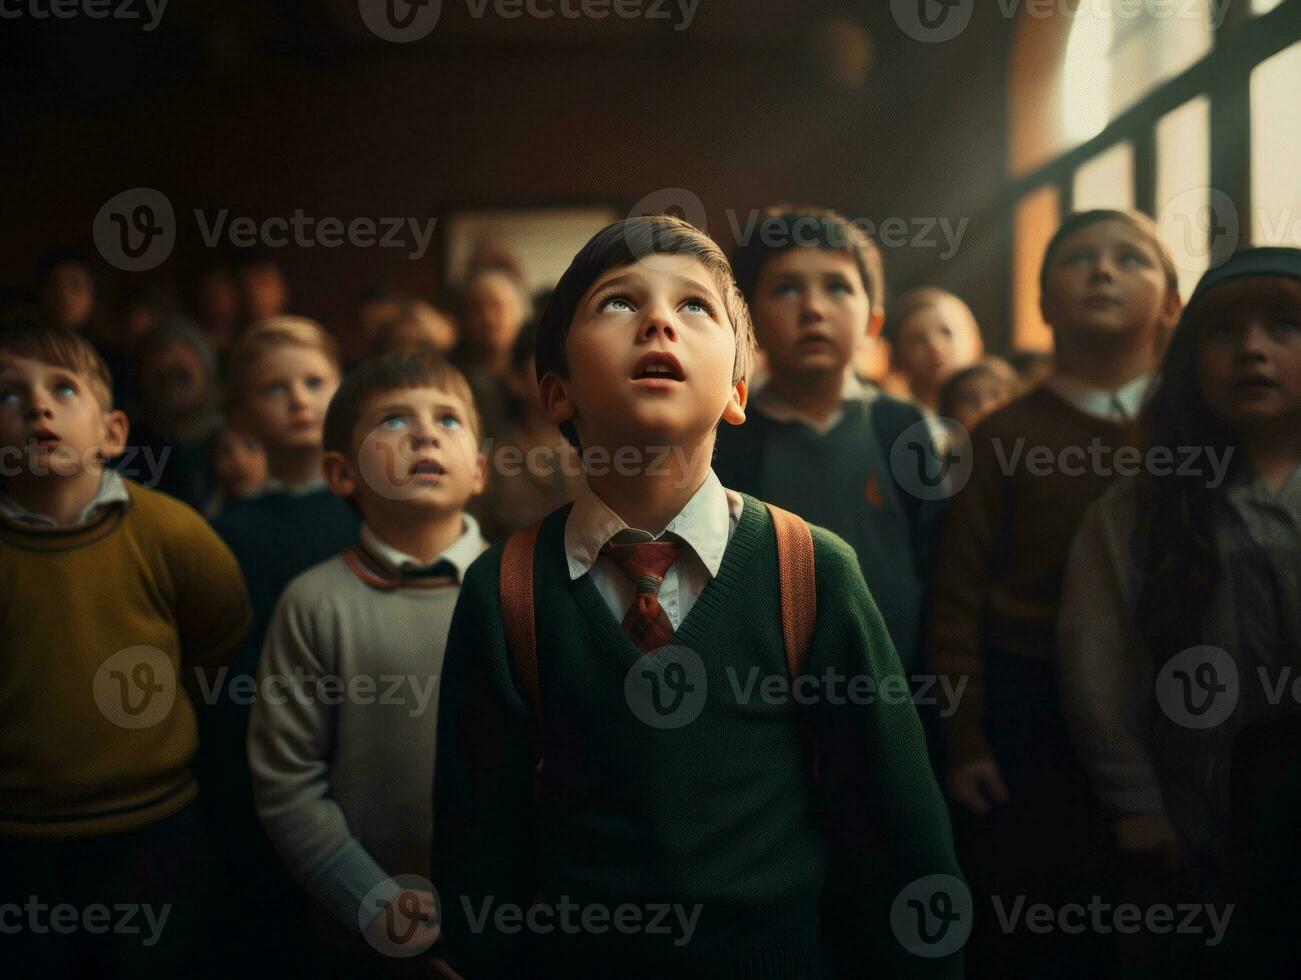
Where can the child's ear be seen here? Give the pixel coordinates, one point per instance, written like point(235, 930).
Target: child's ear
point(339, 475)
point(480, 473)
point(734, 412)
point(116, 427)
point(1172, 310)
point(553, 392)
point(875, 322)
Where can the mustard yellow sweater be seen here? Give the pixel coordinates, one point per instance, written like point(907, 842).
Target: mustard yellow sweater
point(102, 631)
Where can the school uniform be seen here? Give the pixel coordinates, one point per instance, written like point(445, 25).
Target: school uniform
point(837, 473)
point(715, 813)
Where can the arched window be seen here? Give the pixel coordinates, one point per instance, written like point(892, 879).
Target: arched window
point(1185, 109)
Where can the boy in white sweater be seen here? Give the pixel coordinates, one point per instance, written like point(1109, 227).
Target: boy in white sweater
point(341, 739)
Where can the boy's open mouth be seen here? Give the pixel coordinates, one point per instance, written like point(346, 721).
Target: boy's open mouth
point(45, 438)
point(428, 471)
point(658, 366)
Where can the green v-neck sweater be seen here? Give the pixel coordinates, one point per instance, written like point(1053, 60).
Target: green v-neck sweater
point(711, 810)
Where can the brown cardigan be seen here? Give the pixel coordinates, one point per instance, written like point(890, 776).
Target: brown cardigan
point(1006, 538)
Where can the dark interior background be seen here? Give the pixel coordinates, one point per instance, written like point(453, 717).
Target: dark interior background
point(262, 108)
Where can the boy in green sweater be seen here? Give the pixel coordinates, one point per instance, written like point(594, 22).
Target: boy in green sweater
point(692, 797)
point(119, 605)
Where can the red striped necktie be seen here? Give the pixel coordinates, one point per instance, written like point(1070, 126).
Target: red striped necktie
point(645, 563)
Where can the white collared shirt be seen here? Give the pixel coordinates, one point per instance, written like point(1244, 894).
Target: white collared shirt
point(1121, 405)
point(460, 552)
point(111, 491)
point(706, 524)
point(766, 400)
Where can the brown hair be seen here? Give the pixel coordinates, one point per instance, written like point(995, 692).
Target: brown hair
point(923, 299)
point(270, 334)
point(398, 371)
point(64, 348)
point(827, 229)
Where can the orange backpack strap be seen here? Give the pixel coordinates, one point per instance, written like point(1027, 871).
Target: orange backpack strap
point(797, 588)
point(515, 586)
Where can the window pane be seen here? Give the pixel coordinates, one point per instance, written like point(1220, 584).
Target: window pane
point(1119, 51)
point(1275, 149)
point(1037, 217)
point(1106, 181)
point(1183, 188)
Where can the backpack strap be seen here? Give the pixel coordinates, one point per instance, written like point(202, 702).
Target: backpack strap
point(797, 591)
point(515, 587)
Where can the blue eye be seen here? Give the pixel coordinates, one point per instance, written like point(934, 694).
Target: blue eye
point(63, 388)
point(839, 287)
point(449, 421)
point(1288, 326)
point(394, 422)
point(622, 303)
point(6, 397)
point(314, 383)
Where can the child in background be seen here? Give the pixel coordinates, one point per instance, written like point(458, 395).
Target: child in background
point(412, 324)
point(344, 790)
point(533, 468)
point(119, 604)
point(1176, 561)
point(645, 345)
point(1032, 366)
point(811, 305)
point(495, 308)
point(280, 377)
point(972, 393)
point(216, 305)
point(65, 287)
point(264, 291)
point(932, 334)
point(239, 467)
point(1109, 290)
point(178, 403)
